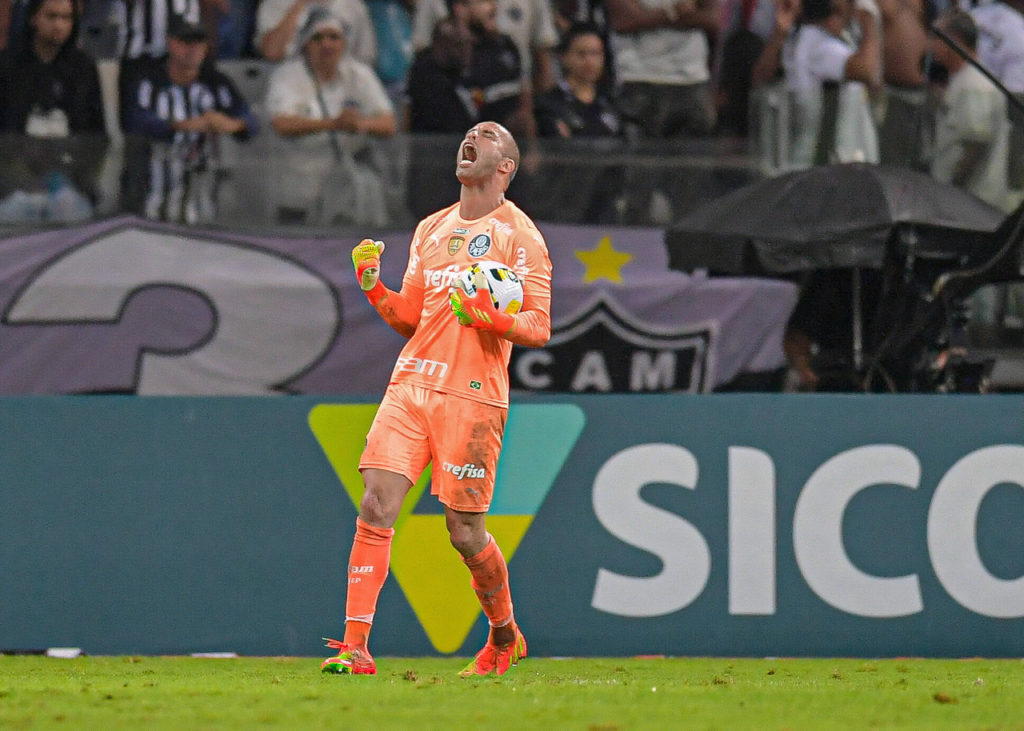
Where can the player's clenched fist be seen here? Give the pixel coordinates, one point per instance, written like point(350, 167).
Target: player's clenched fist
point(366, 260)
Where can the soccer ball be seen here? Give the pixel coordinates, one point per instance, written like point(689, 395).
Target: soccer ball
point(506, 289)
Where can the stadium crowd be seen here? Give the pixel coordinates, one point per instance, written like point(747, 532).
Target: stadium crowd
point(860, 80)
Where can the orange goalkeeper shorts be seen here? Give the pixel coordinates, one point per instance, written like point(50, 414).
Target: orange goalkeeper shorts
point(415, 426)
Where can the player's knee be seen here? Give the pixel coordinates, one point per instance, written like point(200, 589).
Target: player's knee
point(376, 509)
point(460, 537)
point(466, 539)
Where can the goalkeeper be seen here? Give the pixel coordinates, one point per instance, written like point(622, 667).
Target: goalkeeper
point(447, 399)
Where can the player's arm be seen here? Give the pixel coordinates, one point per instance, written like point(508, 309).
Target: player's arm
point(533, 322)
point(400, 310)
point(532, 327)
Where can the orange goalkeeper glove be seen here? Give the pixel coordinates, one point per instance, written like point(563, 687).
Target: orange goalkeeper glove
point(366, 260)
point(477, 310)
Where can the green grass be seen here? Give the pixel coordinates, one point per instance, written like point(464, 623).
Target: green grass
point(425, 693)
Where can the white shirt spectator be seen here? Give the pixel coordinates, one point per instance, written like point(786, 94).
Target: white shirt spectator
point(530, 23)
point(973, 110)
point(1001, 43)
point(814, 57)
point(360, 36)
point(318, 172)
point(661, 55)
point(292, 91)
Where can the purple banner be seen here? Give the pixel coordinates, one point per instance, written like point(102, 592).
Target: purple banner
point(132, 306)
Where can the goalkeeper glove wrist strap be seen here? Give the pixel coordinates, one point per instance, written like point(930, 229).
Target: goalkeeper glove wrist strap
point(376, 294)
point(504, 323)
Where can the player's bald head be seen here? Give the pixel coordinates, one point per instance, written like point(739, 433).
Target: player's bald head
point(507, 145)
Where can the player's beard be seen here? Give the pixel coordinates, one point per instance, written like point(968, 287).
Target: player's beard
point(475, 173)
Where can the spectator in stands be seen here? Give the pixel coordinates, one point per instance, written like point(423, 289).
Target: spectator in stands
point(577, 107)
point(327, 90)
point(326, 103)
point(495, 78)
point(1000, 26)
point(901, 134)
point(972, 128)
point(180, 105)
point(50, 93)
point(747, 26)
point(50, 88)
point(830, 79)
point(971, 136)
point(440, 101)
point(777, 44)
point(529, 23)
point(661, 57)
point(143, 33)
point(568, 12)
point(1001, 50)
point(439, 98)
point(660, 50)
point(278, 24)
point(582, 118)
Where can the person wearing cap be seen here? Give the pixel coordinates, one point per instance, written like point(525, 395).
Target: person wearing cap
point(279, 25)
point(327, 109)
point(143, 29)
point(326, 89)
point(177, 106)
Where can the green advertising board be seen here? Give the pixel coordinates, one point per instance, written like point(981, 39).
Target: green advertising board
point(727, 524)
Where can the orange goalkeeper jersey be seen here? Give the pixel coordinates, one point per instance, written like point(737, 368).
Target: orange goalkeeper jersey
point(441, 354)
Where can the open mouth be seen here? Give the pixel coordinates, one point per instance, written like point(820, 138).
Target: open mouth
point(468, 152)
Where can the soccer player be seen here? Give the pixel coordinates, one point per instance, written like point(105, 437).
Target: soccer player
point(447, 399)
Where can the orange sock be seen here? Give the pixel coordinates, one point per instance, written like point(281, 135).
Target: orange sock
point(367, 570)
point(490, 582)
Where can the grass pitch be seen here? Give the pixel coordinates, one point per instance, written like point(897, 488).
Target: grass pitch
point(585, 693)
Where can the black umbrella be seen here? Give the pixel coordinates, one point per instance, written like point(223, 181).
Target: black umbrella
point(845, 215)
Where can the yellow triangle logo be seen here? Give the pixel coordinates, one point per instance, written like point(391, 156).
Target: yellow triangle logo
point(429, 571)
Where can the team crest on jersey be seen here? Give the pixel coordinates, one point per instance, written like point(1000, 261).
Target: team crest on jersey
point(454, 244)
point(480, 245)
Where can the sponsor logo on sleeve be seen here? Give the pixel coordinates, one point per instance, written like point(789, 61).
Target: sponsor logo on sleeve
point(521, 267)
